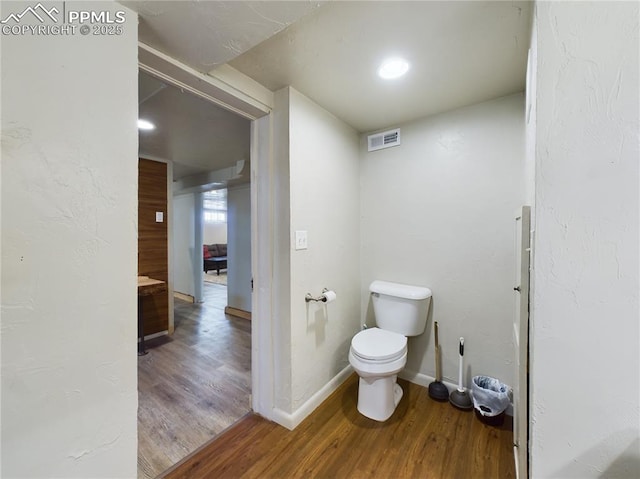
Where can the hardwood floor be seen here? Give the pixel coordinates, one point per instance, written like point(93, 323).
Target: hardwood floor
point(423, 439)
point(193, 385)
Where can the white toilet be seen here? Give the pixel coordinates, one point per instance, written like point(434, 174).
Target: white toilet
point(379, 354)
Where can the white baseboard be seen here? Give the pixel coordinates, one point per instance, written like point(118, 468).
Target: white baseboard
point(291, 420)
point(424, 380)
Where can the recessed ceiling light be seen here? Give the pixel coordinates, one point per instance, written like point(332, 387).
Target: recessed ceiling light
point(145, 125)
point(393, 68)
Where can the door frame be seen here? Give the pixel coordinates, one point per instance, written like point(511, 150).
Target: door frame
point(236, 92)
point(521, 340)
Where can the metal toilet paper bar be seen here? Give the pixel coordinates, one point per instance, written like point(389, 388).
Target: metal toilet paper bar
point(326, 297)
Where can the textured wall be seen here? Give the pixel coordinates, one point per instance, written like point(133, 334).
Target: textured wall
point(184, 277)
point(69, 215)
point(324, 202)
point(239, 249)
point(585, 369)
point(438, 211)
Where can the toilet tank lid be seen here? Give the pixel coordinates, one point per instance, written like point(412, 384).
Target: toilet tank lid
point(405, 291)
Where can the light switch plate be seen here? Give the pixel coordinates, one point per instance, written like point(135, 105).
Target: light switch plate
point(159, 217)
point(301, 240)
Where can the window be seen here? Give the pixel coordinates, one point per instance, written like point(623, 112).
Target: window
point(214, 208)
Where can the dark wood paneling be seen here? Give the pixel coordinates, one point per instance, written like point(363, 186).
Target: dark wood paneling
point(423, 439)
point(153, 258)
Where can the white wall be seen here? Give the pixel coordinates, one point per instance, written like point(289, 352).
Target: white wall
point(183, 245)
point(531, 114)
point(69, 246)
point(324, 174)
point(239, 247)
point(315, 180)
point(585, 373)
point(214, 233)
point(438, 211)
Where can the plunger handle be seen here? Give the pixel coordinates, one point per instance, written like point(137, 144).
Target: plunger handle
point(438, 372)
point(460, 388)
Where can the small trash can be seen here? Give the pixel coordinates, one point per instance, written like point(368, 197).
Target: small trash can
point(490, 396)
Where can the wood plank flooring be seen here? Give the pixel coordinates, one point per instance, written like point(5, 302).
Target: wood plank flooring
point(193, 385)
point(423, 439)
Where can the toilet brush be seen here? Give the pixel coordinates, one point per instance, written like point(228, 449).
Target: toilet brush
point(460, 397)
point(437, 390)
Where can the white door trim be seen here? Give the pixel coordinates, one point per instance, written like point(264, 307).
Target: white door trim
point(521, 341)
point(262, 245)
point(230, 89)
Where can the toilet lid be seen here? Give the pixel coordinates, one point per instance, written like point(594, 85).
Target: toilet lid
point(378, 344)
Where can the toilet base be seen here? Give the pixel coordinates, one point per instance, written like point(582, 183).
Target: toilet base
point(378, 397)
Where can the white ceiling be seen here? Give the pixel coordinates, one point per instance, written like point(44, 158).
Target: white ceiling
point(461, 53)
point(195, 134)
point(205, 34)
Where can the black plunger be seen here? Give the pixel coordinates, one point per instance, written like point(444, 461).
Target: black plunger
point(437, 390)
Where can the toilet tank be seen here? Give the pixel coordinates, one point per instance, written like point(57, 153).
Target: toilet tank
point(400, 308)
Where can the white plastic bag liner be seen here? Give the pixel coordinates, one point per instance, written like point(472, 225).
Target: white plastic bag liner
point(490, 396)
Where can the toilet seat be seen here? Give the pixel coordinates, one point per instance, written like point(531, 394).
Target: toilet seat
point(375, 344)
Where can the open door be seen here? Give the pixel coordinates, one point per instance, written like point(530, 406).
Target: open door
point(521, 340)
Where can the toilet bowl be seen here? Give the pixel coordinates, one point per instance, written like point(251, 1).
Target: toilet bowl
point(379, 354)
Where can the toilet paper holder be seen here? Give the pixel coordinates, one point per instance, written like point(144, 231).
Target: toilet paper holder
point(322, 298)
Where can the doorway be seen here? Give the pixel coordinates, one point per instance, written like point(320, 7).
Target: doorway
point(195, 382)
point(214, 237)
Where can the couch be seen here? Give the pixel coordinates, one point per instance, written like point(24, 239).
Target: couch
point(214, 256)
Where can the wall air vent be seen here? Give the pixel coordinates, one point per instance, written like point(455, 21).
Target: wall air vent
point(386, 139)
